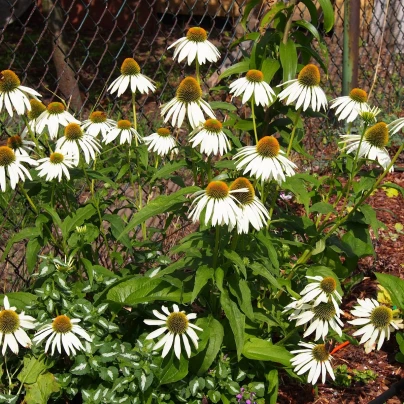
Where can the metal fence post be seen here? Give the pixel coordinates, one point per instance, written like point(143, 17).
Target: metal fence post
point(351, 45)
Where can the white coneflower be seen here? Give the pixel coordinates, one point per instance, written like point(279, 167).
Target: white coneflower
point(305, 90)
point(20, 146)
point(177, 326)
point(161, 142)
point(195, 45)
point(396, 125)
point(36, 110)
point(12, 163)
point(187, 101)
point(378, 322)
point(348, 107)
point(75, 139)
point(372, 146)
point(265, 161)
point(62, 332)
point(321, 318)
point(315, 359)
point(55, 166)
point(218, 203)
point(210, 137)
point(253, 85)
point(13, 95)
point(98, 123)
point(54, 117)
point(12, 328)
point(125, 131)
point(321, 290)
point(131, 76)
point(252, 210)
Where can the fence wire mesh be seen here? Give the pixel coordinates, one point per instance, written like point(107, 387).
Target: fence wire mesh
point(73, 49)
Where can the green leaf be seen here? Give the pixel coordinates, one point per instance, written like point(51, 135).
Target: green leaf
point(395, 287)
point(262, 350)
point(288, 57)
point(31, 254)
point(79, 217)
point(240, 290)
point(273, 385)
point(168, 168)
point(322, 207)
point(236, 320)
point(237, 68)
point(108, 374)
point(269, 68)
point(32, 368)
point(328, 14)
point(237, 260)
point(161, 204)
point(354, 246)
point(299, 189)
point(222, 105)
point(265, 239)
point(80, 367)
point(40, 392)
point(216, 334)
point(173, 369)
point(312, 10)
point(202, 276)
point(264, 272)
point(310, 27)
point(117, 228)
point(89, 269)
point(19, 299)
point(271, 14)
point(28, 233)
point(142, 290)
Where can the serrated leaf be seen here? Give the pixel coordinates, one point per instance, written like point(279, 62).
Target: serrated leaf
point(80, 367)
point(27, 233)
point(77, 219)
point(32, 368)
point(168, 168)
point(40, 392)
point(117, 227)
point(108, 374)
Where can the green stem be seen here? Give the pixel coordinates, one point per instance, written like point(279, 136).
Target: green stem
point(32, 135)
point(197, 72)
point(234, 241)
point(209, 169)
point(134, 115)
point(288, 23)
point(28, 198)
point(216, 250)
point(8, 374)
point(157, 162)
point(253, 118)
point(292, 135)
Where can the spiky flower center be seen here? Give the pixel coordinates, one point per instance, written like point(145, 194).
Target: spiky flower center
point(324, 311)
point(7, 156)
point(245, 198)
point(328, 285)
point(73, 131)
point(189, 90)
point(56, 158)
point(196, 34)
point(381, 316)
point(217, 189)
point(378, 135)
point(56, 108)
point(130, 67)
point(62, 324)
point(9, 321)
point(177, 322)
point(309, 76)
point(36, 109)
point(358, 95)
point(163, 132)
point(255, 76)
point(14, 142)
point(98, 117)
point(320, 353)
point(124, 124)
point(268, 146)
point(9, 81)
point(213, 125)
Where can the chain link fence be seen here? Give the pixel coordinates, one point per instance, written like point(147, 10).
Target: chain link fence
point(74, 48)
